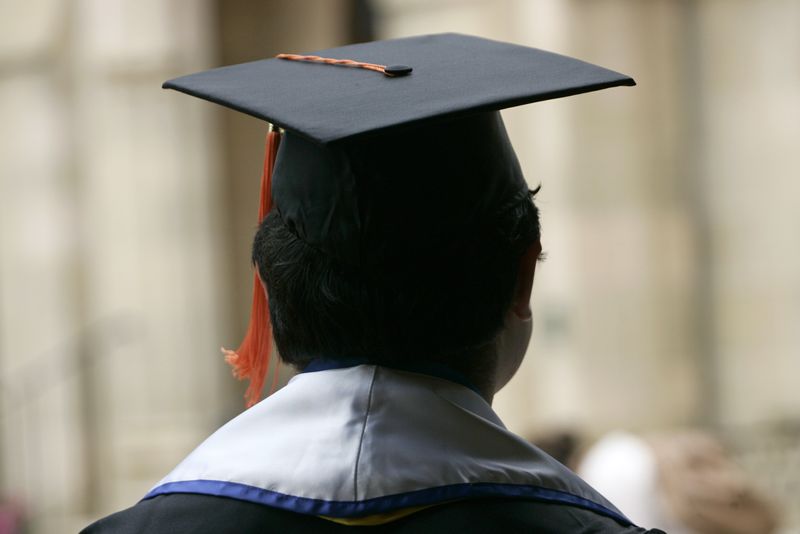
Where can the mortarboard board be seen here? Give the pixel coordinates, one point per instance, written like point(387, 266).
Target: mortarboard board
point(451, 75)
point(394, 153)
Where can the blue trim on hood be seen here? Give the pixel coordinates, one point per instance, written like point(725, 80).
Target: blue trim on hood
point(378, 505)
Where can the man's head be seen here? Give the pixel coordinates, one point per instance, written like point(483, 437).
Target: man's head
point(441, 247)
point(402, 183)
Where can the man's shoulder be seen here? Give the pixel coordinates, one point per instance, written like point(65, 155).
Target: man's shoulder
point(202, 513)
point(513, 515)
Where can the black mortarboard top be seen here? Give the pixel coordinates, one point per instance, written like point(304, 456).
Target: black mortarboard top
point(442, 164)
point(396, 163)
point(452, 75)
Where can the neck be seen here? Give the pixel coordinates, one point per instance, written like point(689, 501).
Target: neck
point(477, 365)
point(474, 369)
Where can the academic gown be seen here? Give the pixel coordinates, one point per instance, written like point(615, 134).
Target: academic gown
point(373, 447)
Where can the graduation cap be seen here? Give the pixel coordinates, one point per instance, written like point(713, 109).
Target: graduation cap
point(393, 153)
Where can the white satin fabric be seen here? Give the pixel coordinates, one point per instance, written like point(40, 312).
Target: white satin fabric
point(365, 433)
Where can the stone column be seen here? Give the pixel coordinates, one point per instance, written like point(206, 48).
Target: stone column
point(110, 283)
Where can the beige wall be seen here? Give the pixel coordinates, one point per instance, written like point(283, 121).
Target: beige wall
point(751, 116)
point(109, 281)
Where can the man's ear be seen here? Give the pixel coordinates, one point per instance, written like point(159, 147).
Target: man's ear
point(521, 304)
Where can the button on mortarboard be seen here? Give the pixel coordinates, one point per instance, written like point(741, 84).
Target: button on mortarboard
point(398, 70)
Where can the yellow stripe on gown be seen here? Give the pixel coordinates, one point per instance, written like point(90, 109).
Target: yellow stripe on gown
point(378, 519)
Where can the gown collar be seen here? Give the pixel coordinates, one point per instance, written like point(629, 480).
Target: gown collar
point(363, 440)
point(435, 369)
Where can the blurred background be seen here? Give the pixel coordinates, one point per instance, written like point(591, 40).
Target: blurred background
point(670, 297)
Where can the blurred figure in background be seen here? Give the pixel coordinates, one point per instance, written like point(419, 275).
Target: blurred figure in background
point(683, 482)
point(13, 518)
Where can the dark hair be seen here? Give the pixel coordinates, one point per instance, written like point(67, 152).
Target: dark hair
point(321, 308)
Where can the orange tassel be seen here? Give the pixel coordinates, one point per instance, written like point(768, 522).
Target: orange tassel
point(251, 359)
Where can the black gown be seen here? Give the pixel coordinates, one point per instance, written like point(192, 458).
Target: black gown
point(201, 514)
